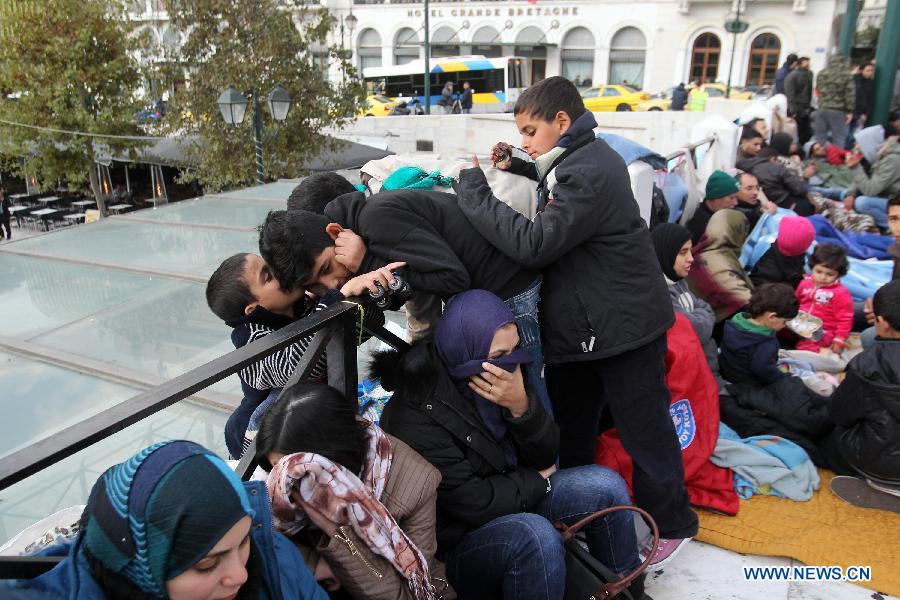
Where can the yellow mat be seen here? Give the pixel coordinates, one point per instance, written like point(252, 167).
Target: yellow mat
point(824, 531)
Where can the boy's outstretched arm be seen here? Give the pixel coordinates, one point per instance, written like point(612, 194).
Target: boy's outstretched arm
point(567, 220)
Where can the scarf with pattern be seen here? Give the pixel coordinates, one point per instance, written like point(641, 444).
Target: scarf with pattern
point(308, 479)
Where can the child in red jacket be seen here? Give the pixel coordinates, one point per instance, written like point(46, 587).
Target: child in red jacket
point(822, 295)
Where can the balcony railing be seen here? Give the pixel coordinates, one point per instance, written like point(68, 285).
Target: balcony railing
point(334, 332)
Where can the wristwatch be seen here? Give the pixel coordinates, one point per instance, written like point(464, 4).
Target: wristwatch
point(549, 486)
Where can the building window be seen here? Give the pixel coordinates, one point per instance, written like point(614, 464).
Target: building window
point(577, 57)
point(764, 53)
point(530, 44)
point(627, 56)
point(705, 58)
point(406, 46)
point(368, 47)
point(444, 43)
point(486, 41)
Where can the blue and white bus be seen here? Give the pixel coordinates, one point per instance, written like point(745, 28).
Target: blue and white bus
point(496, 82)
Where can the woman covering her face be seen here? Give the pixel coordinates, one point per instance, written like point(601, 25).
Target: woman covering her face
point(460, 400)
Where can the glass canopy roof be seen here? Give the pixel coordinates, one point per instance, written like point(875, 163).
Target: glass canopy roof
point(95, 314)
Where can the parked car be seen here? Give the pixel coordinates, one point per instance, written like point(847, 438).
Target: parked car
point(610, 98)
point(376, 106)
point(717, 90)
point(660, 101)
point(663, 100)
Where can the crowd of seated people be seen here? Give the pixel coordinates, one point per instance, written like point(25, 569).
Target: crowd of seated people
point(490, 436)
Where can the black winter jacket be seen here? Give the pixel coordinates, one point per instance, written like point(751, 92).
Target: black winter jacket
point(798, 87)
point(786, 408)
point(444, 255)
point(748, 357)
point(780, 185)
point(698, 222)
point(428, 413)
point(775, 267)
point(866, 409)
point(603, 292)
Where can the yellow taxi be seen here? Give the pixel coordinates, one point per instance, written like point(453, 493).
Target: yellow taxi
point(663, 100)
point(609, 98)
point(376, 106)
point(717, 90)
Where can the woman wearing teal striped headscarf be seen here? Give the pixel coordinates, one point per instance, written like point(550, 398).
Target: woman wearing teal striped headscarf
point(175, 522)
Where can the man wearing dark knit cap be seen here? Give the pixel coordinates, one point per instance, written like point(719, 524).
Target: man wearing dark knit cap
point(721, 193)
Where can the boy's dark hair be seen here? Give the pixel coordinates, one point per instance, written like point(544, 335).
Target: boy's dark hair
point(767, 152)
point(895, 201)
point(548, 97)
point(748, 133)
point(831, 256)
point(227, 294)
point(290, 242)
point(773, 297)
point(886, 303)
point(317, 190)
point(791, 58)
point(311, 417)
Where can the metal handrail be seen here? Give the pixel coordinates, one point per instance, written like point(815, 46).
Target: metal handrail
point(334, 332)
point(690, 148)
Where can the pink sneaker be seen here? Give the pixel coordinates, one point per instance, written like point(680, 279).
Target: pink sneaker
point(666, 551)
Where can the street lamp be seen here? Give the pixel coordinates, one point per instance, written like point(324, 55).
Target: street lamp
point(233, 106)
point(734, 26)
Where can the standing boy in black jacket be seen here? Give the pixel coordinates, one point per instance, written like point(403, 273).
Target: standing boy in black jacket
point(605, 307)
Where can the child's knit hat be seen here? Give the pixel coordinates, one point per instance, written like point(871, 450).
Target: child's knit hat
point(721, 184)
point(795, 234)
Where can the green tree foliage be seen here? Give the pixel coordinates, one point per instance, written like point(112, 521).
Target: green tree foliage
point(67, 64)
point(254, 45)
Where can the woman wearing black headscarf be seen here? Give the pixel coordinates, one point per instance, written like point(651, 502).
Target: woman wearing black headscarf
point(460, 400)
point(673, 249)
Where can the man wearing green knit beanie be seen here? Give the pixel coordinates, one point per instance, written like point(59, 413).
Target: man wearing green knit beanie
point(721, 193)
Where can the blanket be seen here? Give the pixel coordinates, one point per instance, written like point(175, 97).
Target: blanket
point(766, 464)
point(824, 531)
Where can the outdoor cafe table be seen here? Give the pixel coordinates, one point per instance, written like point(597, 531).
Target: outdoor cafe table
point(48, 200)
point(75, 217)
point(117, 208)
point(43, 214)
point(18, 196)
point(15, 209)
point(84, 203)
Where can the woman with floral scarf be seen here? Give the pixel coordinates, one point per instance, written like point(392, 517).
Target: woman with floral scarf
point(359, 504)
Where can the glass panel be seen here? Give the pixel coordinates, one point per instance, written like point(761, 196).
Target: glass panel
point(213, 211)
point(59, 398)
point(278, 190)
point(69, 482)
point(165, 332)
point(174, 249)
point(38, 294)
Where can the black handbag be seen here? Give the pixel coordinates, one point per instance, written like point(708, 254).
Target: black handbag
point(589, 579)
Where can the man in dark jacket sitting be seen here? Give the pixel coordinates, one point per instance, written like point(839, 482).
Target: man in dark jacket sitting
point(866, 406)
point(721, 193)
point(780, 185)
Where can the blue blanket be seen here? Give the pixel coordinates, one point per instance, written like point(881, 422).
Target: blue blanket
point(858, 245)
point(632, 151)
point(766, 464)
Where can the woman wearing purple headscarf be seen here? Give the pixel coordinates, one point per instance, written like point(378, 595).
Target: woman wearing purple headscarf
point(460, 400)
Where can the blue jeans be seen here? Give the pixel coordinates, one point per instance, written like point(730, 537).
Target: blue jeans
point(876, 207)
point(832, 193)
point(525, 308)
point(521, 556)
